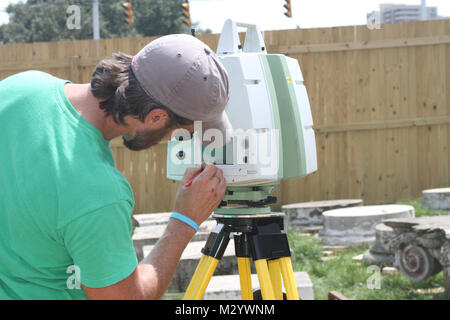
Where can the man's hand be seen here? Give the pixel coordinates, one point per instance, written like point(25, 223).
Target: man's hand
point(200, 199)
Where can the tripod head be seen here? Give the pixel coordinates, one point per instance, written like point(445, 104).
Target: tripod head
point(269, 110)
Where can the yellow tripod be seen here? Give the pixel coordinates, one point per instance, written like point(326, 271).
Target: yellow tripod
point(255, 236)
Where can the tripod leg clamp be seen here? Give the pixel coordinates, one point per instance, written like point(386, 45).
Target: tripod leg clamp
point(269, 243)
point(217, 242)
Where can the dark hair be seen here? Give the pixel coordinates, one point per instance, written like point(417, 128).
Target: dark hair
point(114, 82)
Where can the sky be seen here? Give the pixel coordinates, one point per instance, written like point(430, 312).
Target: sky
point(269, 14)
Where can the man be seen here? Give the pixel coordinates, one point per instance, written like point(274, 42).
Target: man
point(65, 210)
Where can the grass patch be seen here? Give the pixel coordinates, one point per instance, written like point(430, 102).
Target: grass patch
point(421, 211)
point(342, 274)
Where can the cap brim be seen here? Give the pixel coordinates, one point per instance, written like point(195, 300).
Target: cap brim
point(223, 134)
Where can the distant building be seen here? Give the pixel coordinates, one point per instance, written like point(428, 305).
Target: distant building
point(390, 13)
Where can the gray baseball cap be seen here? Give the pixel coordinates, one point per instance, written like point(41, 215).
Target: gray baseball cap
point(183, 74)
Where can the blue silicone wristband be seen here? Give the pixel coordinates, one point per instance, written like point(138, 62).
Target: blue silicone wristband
point(185, 219)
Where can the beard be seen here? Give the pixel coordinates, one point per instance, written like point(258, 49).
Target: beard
point(145, 139)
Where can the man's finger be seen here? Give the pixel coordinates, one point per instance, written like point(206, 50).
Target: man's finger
point(218, 183)
point(189, 174)
point(209, 171)
point(219, 173)
point(221, 188)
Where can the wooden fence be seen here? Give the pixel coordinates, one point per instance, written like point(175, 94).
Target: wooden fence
point(379, 99)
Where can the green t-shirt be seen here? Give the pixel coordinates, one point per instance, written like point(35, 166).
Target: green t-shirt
point(65, 210)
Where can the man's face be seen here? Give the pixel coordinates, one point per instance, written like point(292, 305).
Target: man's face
point(156, 127)
point(145, 138)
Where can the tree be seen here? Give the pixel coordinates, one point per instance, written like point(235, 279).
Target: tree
point(38, 20)
point(159, 17)
point(45, 20)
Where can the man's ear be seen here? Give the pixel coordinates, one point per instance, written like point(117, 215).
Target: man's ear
point(156, 118)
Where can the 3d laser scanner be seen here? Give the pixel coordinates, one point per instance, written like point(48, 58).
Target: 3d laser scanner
point(269, 110)
point(272, 139)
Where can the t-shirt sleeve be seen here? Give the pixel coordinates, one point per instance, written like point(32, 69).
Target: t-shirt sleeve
point(101, 246)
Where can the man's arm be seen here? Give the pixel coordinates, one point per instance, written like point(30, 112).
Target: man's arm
point(152, 276)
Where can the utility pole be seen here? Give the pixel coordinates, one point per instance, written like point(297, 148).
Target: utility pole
point(423, 10)
point(95, 19)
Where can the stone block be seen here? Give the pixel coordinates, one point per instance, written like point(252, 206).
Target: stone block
point(436, 199)
point(356, 225)
point(150, 234)
point(308, 216)
point(189, 261)
point(151, 219)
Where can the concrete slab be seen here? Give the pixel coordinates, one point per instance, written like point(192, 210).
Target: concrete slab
point(227, 287)
point(437, 199)
point(356, 225)
point(149, 219)
point(304, 215)
point(428, 224)
point(150, 234)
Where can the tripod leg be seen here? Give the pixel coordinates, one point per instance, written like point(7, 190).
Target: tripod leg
point(275, 276)
point(198, 274)
point(264, 279)
point(245, 278)
point(212, 252)
point(288, 278)
point(201, 278)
